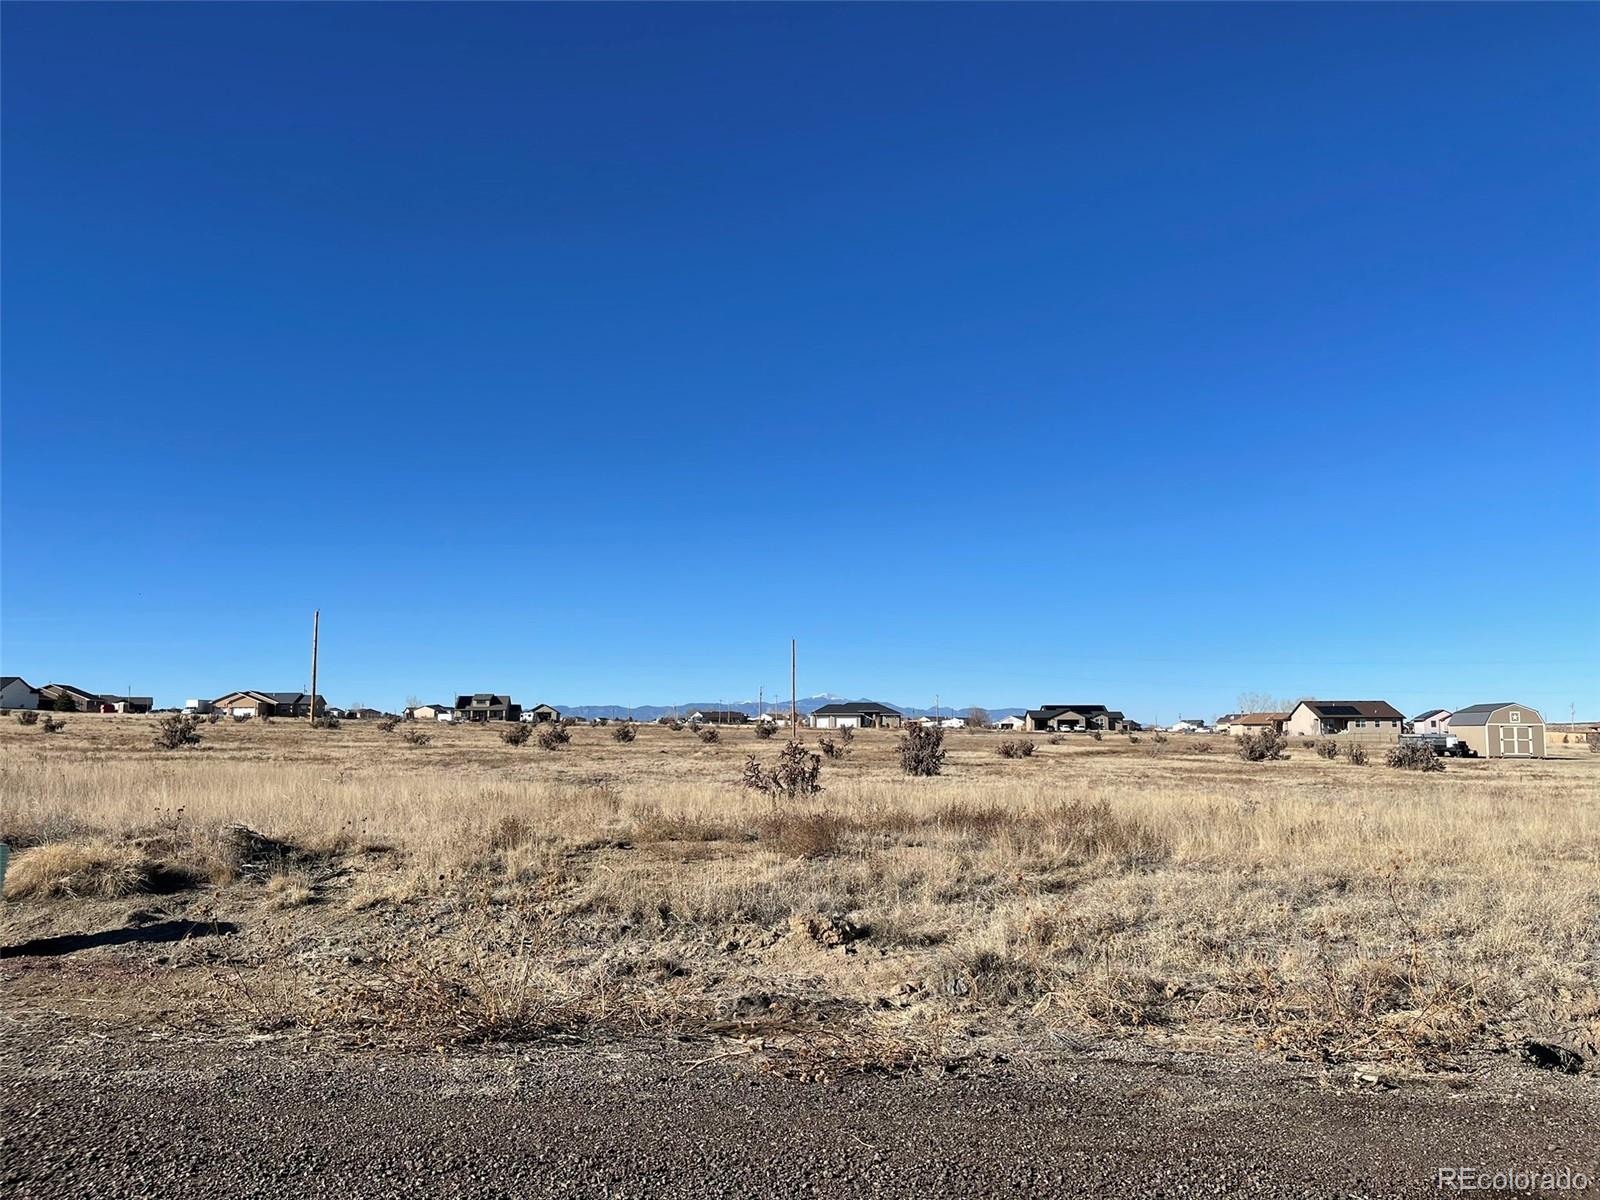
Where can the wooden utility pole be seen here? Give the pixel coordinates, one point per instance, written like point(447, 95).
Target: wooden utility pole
point(794, 696)
point(316, 621)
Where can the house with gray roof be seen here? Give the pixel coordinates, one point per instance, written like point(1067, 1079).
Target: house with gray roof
point(857, 714)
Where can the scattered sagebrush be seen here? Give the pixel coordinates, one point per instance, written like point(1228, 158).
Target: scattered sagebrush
point(1266, 746)
point(922, 750)
point(175, 731)
point(796, 775)
point(1413, 756)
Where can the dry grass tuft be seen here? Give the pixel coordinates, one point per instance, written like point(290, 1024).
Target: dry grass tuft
point(100, 869)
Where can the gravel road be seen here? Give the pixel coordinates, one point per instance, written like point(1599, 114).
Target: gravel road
point(113, 1118)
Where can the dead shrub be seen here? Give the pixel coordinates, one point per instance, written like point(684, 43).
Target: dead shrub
point(1327, 748)
point(415, 737)
point(675, 725)
point(242, 851)
point(983, 820)
point(922, 750)
point(1266, 746)
point(1098, 736)
point(1055, 739)
point(710, 736)
point(1203, 747)
point(1089, 831)
point(805, 835)
point(765, 729)
point(1356, 755)
point(326, 723)
point(1021, 748)
point(516, 734)
point(553, 735)
point(49, 724)
point(832, 749)
point(796, 775)
point(175, 731)
point(625, 733)
point(509, 832)
point(1413, 756)
point(28, 716)
point(388, 724)
point(652, 825)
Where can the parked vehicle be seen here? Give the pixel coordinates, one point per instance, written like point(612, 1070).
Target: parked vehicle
point(1445, 745)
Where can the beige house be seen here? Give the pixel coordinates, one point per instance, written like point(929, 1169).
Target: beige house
point(1504, 730)
point(432, 712)
point(266, 704)
point(1243, 723)
point(1357, 720)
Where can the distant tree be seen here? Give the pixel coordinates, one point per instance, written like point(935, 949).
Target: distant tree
point(977, 718)
point(1254, 702)
point(64, 703)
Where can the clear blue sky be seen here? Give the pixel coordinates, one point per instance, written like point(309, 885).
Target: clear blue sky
point(1141, 355)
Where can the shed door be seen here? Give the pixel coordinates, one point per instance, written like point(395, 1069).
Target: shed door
point(1516, 740)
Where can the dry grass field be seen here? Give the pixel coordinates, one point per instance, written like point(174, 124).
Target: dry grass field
point(469, 890)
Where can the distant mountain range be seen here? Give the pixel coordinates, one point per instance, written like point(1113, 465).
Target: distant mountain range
point(806, 704)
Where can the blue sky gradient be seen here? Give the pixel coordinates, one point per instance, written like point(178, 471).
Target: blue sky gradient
point(1141, 355)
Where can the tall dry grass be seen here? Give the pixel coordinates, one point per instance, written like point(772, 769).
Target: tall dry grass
point(1306, 906)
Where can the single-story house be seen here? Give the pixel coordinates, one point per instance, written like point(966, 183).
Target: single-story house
point(1435, 720)
point(540, 713)
point(16, 692)
point(365, 714)
point(486, 706)
point(127, 704)
point(1362, 720)
point(1502, 730)
point(197, 707)
point(431, 712)
point(857, 714)
point(50, 696)
point(1187, 725)
point(953, 723)
point(1060, 718)
point(268, 704)
point(1260, 722)
point(1222, 723)
point(719, 716)
point(1011, 723)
